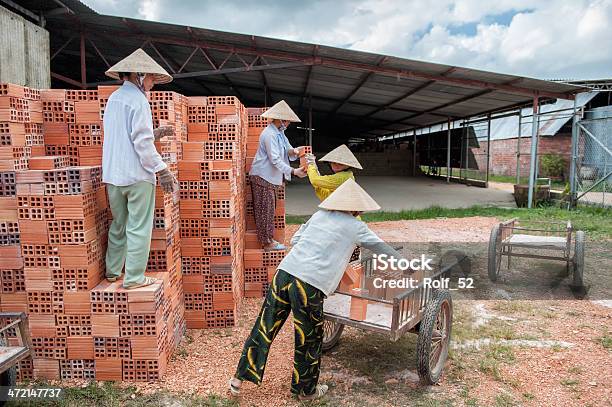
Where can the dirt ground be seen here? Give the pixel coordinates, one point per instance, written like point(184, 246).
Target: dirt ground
point(504, 352)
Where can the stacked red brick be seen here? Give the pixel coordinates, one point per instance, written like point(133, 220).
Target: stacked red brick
point(138, 330)
point(21, 132)
point(72, 125)
point(63, 225)
point(260, 265)
point(53, 226)
point(212, 213)
point(21, 136)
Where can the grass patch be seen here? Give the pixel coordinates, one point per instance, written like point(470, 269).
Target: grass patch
point(605, 341)
point(528, 396)
point(496, 355)
point(596, 222)
point(504, 400)
point(569, 382)
point(513, 307)
point(575, 370)
point(111, 395)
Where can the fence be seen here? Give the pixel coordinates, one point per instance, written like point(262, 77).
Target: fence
point(592, 158)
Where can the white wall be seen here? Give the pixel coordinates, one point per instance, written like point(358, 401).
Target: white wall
point(24, 52)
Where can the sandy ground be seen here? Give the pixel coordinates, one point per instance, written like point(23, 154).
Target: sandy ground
point(534, 353)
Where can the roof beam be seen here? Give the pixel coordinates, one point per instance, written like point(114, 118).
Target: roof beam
point(332, 62)
point(408, 94)
point(66, 80)
point(454, 102)
point(248, 68)
point(363, 80)
point(22, 10)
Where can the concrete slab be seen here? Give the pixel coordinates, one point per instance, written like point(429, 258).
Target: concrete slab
point(404, 193)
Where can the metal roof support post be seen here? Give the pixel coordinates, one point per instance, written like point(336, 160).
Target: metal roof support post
point(534, 146)
point(574, 157)
point(466, 131)
point(414, 152)
point(518, 147)
point(310, 120)
point(83, 63)
point(448, 150)
point(488, 147)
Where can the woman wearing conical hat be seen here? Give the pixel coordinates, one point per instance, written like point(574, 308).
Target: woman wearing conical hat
point(131, 166)
point(270, 170)
point(303, 279)
point(341, 161)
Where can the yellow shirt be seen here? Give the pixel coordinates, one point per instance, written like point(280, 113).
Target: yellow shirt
point(324, 185)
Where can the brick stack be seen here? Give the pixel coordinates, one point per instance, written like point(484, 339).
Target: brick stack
point(168, 109)
point(72, 125)
point(212, 212)
point(21, 136)
point(21, 132)
point(62, 215)
point(53, 235)
point(259, 265)
point(53, 232)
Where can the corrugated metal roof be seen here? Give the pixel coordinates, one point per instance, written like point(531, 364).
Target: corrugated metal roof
point(353, 93)
point(553, 116)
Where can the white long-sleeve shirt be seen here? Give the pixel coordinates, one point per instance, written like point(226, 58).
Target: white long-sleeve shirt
point(129, 155)
point(272, 158)
point(322, 248)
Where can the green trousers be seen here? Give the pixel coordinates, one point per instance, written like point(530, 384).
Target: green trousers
point(129, 236)
point(287, 293)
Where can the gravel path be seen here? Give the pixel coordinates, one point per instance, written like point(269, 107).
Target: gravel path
point(569, 376)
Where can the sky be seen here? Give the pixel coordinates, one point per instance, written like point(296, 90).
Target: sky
point(547, 39)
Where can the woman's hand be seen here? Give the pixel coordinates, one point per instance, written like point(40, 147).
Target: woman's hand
point(299, 172)
point(310, 159)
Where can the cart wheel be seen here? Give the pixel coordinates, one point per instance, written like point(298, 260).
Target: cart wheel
point(579, 259)
point(494, 261)
point(434, 337)
point(331, 334)
point(8, 378)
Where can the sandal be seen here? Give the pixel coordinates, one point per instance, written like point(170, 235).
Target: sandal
point(112, 279)
point(319, 392)
point(146, 282)
point(275, 246)
point(234, 386)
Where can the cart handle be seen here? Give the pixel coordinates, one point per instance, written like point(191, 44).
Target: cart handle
point(19, 315)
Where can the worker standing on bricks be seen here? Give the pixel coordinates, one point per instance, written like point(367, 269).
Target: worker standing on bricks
point(270, 170)
point(130, 164)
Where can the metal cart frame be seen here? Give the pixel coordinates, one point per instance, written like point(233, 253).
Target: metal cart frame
point(11, 355)
point(421, 310)
point(509, 237)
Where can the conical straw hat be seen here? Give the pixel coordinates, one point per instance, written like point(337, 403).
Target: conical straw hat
point(139, 61)
point(342, 155)
point(281, 111)
point(349, 197)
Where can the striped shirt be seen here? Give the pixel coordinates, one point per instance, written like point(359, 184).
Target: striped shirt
point(129, 155)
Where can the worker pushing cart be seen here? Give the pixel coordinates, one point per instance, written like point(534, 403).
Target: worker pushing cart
point(303, 279)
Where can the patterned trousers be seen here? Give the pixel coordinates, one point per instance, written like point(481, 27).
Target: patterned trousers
point(264, 204)
point(287, 293)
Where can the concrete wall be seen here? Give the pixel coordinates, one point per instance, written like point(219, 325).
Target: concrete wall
point(391, 162)
point(24, 52)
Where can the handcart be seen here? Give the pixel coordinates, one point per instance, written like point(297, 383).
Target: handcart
point(15, 345)
point(423, 310)
point(511, 239)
